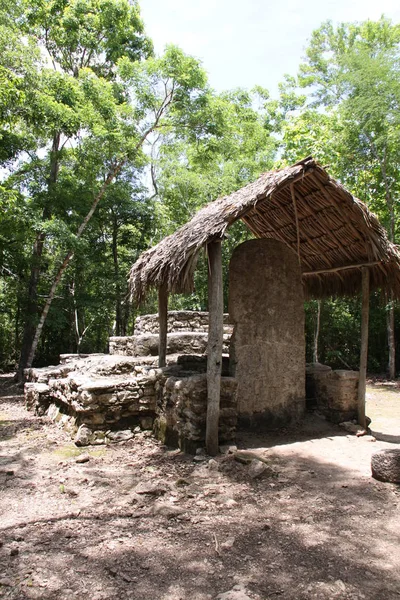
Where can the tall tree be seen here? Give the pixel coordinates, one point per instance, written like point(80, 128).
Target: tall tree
point(98, 98)
point(79, 41)
point(349, 117)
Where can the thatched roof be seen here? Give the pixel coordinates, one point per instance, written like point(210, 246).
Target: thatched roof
point(333, 233)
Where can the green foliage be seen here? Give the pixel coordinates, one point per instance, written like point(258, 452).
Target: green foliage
point(87, 33)
point(339, 338)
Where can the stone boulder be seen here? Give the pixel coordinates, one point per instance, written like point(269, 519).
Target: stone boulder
point(385, 465)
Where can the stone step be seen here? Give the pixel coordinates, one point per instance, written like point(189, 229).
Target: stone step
point(146, 344)
point(178, 321)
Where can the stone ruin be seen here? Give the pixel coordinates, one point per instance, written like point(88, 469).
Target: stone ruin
point(332, 393)
point(102, 398)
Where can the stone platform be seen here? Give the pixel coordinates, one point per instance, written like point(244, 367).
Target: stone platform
point(104, 398)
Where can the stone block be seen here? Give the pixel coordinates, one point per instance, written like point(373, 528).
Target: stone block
point(333, 393)
point(37, 397)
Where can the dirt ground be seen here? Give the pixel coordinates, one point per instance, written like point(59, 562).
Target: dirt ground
point(138, 521)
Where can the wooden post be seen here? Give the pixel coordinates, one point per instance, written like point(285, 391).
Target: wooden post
point(364, 347)
point(214, 348)
point(163, 322)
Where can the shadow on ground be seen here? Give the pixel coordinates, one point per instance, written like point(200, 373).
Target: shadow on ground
point(296, 537)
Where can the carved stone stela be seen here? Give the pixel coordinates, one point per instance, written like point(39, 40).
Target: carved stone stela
point(267, 352)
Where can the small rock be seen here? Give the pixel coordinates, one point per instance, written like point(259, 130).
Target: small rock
point(228, 502)
point(14, 552)
point(82, 458)
point(146, 423)
point(238, 592)
point(256, 468)
point(182, 482)
point(212, 465)
point(167, 510)
point(229, 543)
point(200, 452)
point(341, 585)
point(199, 458)
point(120, 436)
point(154, 488)
point(6, 582)
point(228, 449)
point(83, 436)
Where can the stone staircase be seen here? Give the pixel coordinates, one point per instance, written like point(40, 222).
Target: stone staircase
point(187, 334)
point(104, 398)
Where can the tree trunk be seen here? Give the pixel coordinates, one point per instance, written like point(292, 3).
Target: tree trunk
point(30, 350)
point(390, 312)
point(38, 332)
point(391, 340)
point(32, 308)
point(118, 307)
point(316, 335)
point(126, 311)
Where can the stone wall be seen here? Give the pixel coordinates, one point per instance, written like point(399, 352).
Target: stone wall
point(267, 352)
point(333, 393)
point(104, 399)
point(96, 402)
point(146, 344)
point(182, 409)
point(178, 321)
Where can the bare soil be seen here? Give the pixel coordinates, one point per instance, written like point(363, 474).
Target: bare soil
point(139, 521)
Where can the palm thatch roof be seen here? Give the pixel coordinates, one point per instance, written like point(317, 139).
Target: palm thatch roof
point(333, 233)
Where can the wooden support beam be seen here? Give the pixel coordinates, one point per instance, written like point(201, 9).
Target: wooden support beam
point(163, 323)
point(214, 348)
point(364, 347)
point(344, 268)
